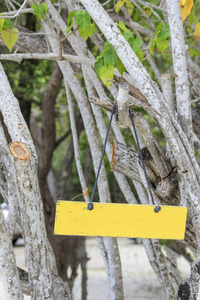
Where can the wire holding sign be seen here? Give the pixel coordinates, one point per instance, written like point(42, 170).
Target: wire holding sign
point(120, 220)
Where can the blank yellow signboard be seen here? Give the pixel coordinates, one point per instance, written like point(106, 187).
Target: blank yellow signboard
point(120, 220)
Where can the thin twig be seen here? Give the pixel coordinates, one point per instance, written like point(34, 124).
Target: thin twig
point(153, 11)
point(161, 3)
point(66, 37)
point(144, 14)
point(195, 100)
point(106, 3)
point(148, 56)
point(18, 57)
point(26, 33)
point(17, 13)
point(59, 45)
point(151, 5)
point(15, 2)
point(9, 14)
point(156, 51)
point(9, 3)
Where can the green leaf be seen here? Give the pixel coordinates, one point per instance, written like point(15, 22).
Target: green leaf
point(137, 44)
point(165, 32)
point(89, 31)
point(82, 18)
point(193, 52)
point(159, 27)
point(71, 15)
point(128, 34)
point(99, 57)
point(129, 37)
point(45, 6)
point(122, 26)
point(10, 38)
point(110, 57)
point(151, 47)
point(1, 24)
point(40, 10)
point(106, 73)
point(7, 24)
point(120, 67)
point(130, 7)
point(140, 55)
point(98, 63)
point(162, 45)
point(118, 5)
point(131, 41)
point(106, 45)
point(191, 17)
point(147, 10)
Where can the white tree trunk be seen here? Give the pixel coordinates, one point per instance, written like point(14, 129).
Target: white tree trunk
point(39, 256)
point(180, 67)
point(8, 265)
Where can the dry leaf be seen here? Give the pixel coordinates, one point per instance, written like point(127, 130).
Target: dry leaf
point(186, 6)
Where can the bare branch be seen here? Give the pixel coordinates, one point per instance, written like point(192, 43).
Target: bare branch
point(106, 2)
point(180, 67)
point(195, 100)
point(17, 13)
point(145, 3)
point(128, 22)
point(75, 142)
point(8, 266)
point(167, 89)
point(144, 14)
point(9, 14)
point(18, 57)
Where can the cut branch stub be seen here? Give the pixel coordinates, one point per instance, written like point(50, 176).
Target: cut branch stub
point(18, 150)
point(122, 115)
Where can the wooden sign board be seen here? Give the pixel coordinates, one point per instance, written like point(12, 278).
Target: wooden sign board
point(120, 220)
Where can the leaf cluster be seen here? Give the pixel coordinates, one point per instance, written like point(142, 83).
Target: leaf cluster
point(82, 18)
point(159, 39)
point(40, 9)
point(105, 63)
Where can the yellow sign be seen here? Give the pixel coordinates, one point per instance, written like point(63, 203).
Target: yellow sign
point(120, 220)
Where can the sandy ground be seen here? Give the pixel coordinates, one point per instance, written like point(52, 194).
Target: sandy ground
point(138, 277)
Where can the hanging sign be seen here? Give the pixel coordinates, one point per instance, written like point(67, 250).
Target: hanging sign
point(120, 220)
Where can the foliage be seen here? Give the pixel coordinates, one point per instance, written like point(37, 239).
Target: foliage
point(9, 35)
point(159, 42)
point(40, 9)
point(160, 39)
point(86, 27)
point(128, 4)
point(106, 62)
point(190, 12)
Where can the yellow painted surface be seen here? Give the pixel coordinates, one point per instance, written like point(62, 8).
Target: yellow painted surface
point(120, 220)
